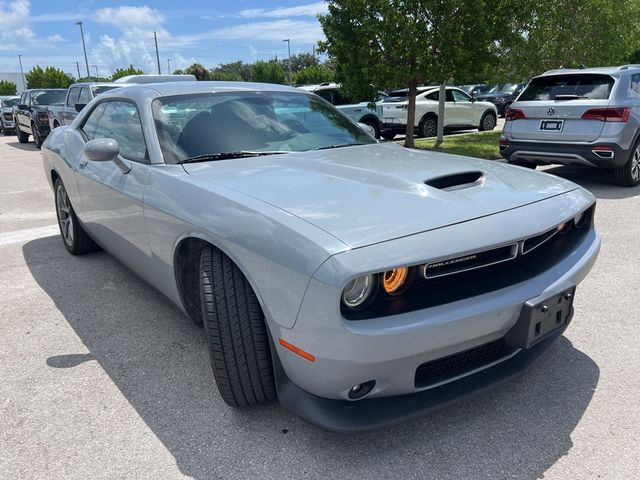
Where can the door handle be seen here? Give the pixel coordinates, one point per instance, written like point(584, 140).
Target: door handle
point(357, 110)
point(82, 164)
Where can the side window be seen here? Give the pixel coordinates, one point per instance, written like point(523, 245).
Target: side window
point(121, 122)
point(326, 94)
point(22, 98)
point(459, 96)
point(449, 96)
point(91, 123)
point(85, 96)
point(635, 83)
point(72, 98)
point(27, 99)
point(338, 99)
point(433, 96)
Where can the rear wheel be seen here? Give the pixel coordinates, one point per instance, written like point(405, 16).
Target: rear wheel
point(629, 174)
point(236, 332)
point(373, 124)
point(487, 122)
point(75, 239)
point(428, 127)
point(23, 137)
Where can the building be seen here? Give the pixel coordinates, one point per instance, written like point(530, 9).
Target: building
point(14, 77)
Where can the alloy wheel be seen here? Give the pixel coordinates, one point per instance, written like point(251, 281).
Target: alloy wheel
point(635, 165)
point(489, 122)
point(65, 220)
point(430, 128)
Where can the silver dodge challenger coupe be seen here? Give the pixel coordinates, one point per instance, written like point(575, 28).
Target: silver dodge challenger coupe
point(358, 283)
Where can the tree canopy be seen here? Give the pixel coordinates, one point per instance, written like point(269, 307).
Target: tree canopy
point(8, 88)
point(48, 77)
point(123, 72)
point(317, 73)
point(199, 71)
point(268, 72)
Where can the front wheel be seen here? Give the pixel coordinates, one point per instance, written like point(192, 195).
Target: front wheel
point(374, 125)
point(628, 175)
point(23, 137)
point(487, 122)
point(75, 239)
point(37, 139)
point(235, 331)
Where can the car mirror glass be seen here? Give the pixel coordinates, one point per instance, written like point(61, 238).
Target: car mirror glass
point(101, 150)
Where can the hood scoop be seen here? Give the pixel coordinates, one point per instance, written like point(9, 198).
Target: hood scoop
point(456, 181)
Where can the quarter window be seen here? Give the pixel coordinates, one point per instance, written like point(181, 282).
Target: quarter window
point(72, 98)
point(635, 83)
point(121, 122)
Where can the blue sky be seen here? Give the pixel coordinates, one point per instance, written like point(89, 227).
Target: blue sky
point(121, 32)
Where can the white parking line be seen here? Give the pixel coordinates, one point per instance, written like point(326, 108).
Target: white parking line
point(28, 234)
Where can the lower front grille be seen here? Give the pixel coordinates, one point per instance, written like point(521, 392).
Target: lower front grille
point(442, 369)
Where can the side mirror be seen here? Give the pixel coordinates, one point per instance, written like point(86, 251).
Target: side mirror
point(80, 106)
point(22, 106)
point(367, 128)
point(101, 150)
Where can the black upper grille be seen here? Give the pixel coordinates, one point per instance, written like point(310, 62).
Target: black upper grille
point(457, 364)
point(470, 262)
point(7, 116)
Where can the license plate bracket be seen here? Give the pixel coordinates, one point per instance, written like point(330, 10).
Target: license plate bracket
point(539, 320)
point(551, 125)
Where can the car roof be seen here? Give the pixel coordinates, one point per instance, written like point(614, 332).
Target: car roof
point(156, 78)
point(97, 84)
point(318, 86)
point(603, 70)
point(185, 88)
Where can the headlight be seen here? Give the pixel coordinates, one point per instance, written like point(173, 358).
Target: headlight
point(359, 291)
point(396, 281)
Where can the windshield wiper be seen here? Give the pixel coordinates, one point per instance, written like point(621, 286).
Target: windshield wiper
point(339, 145)
point(568, 97)
point(209, 157)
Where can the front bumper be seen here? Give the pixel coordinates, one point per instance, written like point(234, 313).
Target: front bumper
point(390, 349)
point(547, 153)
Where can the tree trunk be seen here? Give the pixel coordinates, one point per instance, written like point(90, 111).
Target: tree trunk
point(411, 113)
point(441, 99)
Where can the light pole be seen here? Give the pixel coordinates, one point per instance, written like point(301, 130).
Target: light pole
point(84, 48)
point(168, 66)
point(288, 40)
point(155, 39)
point(96, 67)
point(24, 83)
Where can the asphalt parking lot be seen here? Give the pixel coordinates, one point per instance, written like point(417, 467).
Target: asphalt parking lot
point(101, 377)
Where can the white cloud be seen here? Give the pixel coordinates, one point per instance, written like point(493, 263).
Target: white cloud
point(309, 10)
point(56, 38)
point(14, 24)
point(129, 17)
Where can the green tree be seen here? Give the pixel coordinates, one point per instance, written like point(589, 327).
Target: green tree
point(268, 72)
point(123, 72)
point(233, 71)
point(200, 72)
point(8, 88)
point(381, 44)
point(299, 62)
point(313, 74)
point(48, 77)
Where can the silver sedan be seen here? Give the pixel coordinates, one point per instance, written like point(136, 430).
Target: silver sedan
point(359, 283)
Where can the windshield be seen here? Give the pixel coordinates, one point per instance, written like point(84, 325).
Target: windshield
point(507, 88)
point(583, 85)
point(200, 124)
point(10, 102)
point(48, 97)
point(103, 88)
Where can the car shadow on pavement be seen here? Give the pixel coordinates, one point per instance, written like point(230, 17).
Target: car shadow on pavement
point(157, 358)
point(598, 181)
point(29, 147)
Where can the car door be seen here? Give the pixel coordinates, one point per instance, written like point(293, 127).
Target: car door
point(463, 108)
point(111, 196)
point(70, 106)
point(23, 115)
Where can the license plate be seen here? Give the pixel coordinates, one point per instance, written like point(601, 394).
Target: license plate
point(551, 125)
point(538, 321)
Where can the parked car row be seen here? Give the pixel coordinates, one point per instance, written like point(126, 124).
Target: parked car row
point(584, 117)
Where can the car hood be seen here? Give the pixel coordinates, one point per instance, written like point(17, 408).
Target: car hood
point(368, 194)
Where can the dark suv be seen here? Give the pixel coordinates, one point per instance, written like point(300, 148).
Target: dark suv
point(31, 115)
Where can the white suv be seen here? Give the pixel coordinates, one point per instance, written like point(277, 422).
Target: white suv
point(588, 117)
point(461, 111)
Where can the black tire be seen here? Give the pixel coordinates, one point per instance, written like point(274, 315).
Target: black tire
point(22, 136)
point(55, 125)
point(74, 238)
point(628, 175)
point(6, 132)
point(36, 136)
point(373, 124)
point(428, 126)
point(488, 122)
point(388, 135)
point(523, 163)
point(236, 332)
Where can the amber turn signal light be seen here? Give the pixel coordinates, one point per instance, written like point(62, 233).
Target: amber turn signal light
point(396, 281)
